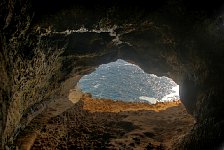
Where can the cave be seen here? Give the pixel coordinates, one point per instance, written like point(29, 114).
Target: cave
point(46, 47)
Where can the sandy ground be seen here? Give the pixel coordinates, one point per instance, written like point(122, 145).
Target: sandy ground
point(106, 124)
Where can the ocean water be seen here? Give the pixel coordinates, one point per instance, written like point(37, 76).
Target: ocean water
point(121, 80)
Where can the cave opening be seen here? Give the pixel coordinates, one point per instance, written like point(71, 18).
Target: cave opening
point(121, 80)
point(124, 107)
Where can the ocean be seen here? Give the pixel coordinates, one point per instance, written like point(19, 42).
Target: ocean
point(127, 82)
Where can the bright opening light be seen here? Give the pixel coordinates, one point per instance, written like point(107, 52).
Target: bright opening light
point(121, 80)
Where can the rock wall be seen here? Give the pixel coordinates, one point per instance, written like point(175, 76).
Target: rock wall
point(29, 67)
point(44, 46)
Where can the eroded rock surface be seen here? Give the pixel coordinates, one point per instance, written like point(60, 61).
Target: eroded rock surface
point(106, 124)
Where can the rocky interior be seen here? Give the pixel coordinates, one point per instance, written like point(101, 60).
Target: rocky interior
point(46, 46)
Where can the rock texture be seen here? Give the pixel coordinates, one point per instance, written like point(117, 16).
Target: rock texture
point(46, 45)
point(107, 124)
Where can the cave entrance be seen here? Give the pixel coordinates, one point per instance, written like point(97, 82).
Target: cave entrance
point(129, 109)
point(127, 82)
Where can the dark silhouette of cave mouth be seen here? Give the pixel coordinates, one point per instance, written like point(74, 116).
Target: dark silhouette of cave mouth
point(120, 80)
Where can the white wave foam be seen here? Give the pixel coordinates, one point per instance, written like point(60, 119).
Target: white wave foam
point(172, 96)
point(148, 99)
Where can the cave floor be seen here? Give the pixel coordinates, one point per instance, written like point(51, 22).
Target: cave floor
point(106, 124)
